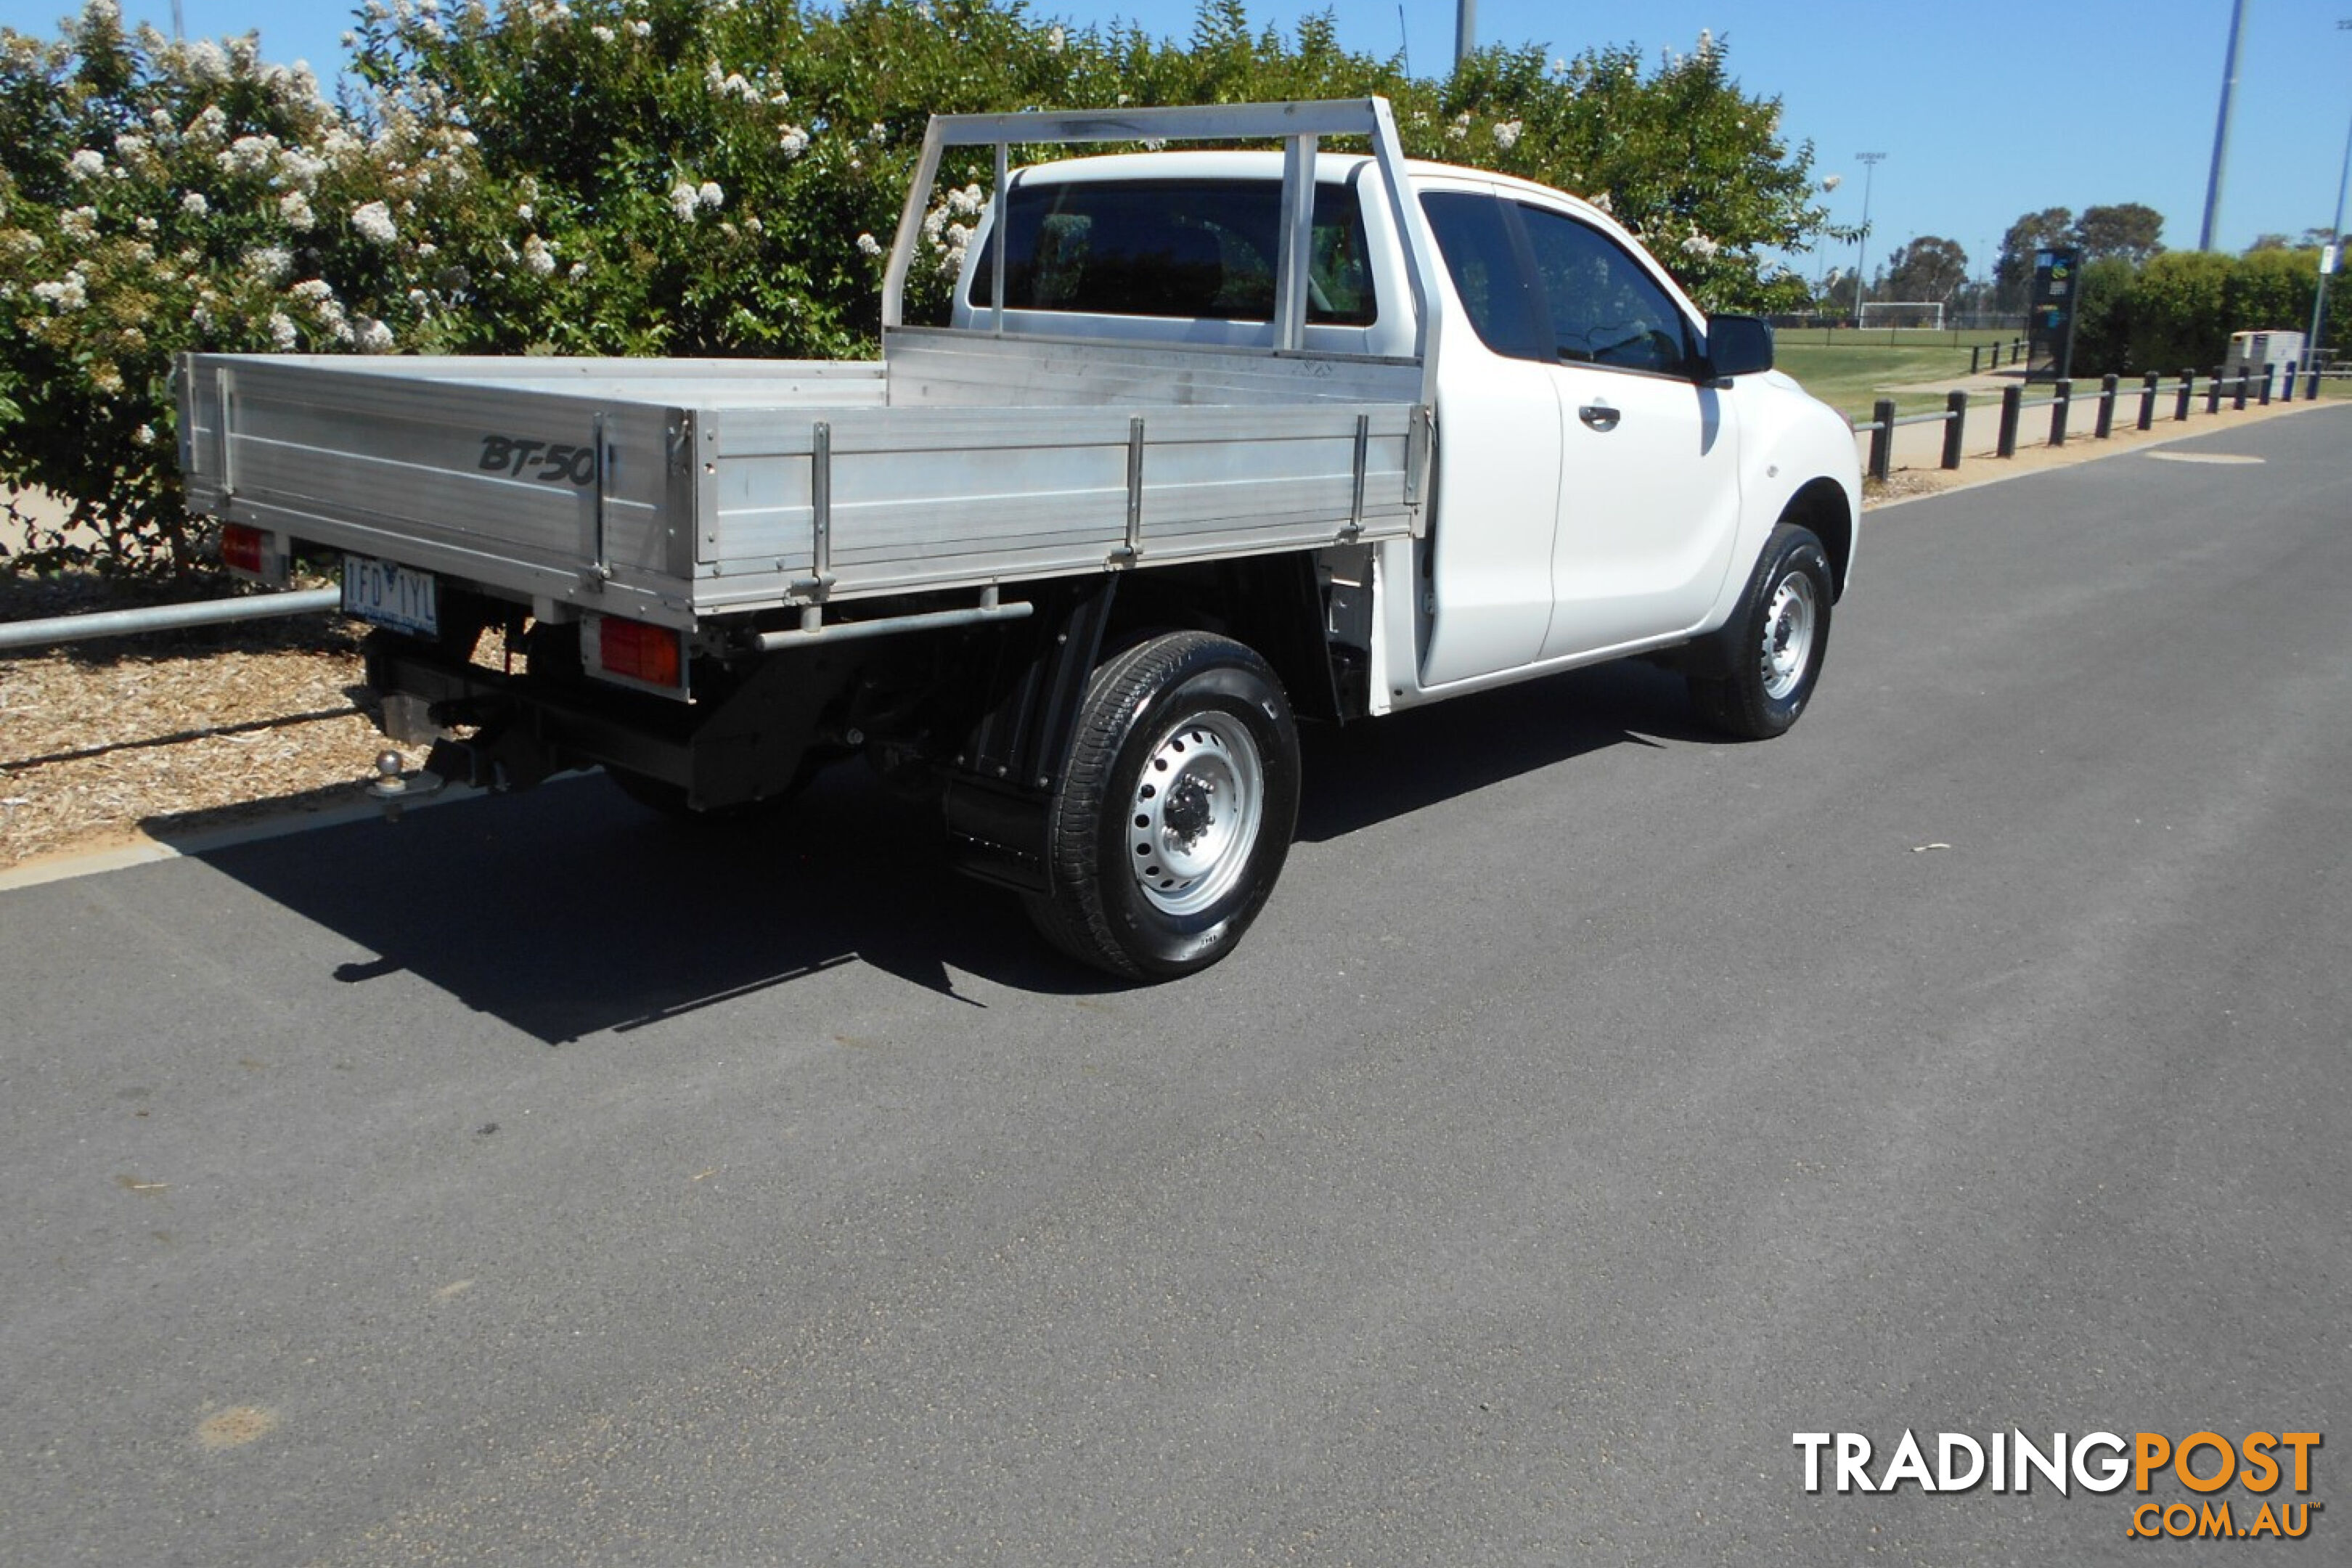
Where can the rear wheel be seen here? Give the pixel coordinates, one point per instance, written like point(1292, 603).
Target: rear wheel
point(1174, 816)
point(1774, 643)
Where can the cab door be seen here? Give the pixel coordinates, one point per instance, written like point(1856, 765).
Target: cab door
point(1495, 521)
point(1649, 501)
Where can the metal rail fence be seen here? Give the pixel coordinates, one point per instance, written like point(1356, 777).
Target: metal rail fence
point(2246, 385)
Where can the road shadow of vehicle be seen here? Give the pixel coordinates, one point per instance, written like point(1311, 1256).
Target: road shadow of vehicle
point(1365, 773)
point(569, 910)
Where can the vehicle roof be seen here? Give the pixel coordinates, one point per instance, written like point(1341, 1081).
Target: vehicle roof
point(1330, 168)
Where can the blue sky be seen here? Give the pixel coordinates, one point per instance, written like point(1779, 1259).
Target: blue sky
point(1984, 112)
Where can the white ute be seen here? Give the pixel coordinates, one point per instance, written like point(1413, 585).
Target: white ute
point(1213, 441)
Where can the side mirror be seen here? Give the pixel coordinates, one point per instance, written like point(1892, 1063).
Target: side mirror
point(1738, 345)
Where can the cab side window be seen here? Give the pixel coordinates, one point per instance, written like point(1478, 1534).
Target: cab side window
point(1474, 235)
point(1606, 309)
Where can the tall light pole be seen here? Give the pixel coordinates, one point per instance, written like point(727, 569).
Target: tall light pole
point(2221, 128)
point(1465, 29)
point(1869, 161)
point(2335, 241)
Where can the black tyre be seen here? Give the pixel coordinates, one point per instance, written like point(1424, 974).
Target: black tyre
point(1773, 647)
point(1174, 815)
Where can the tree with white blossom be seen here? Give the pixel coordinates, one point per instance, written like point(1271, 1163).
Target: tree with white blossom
point(678, 177)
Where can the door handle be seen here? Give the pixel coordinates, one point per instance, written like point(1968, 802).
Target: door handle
point(1600, 416)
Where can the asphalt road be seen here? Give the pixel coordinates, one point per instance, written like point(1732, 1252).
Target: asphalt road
point(1596, 1106)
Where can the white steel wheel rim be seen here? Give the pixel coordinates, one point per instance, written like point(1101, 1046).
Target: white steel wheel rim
point(1194, 819)
point(1790, 622)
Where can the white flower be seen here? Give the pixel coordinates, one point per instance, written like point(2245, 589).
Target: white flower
point(1603, 203)
point(711, 196)
point(86, 164)
point(194, 204)
point(877, 133)
point(1506, 134)
point(794, 140)
point(70, 294)
point(641, 28)
point(249, 155)
point(539, 255)
point(299, 169)
point(966, 203)
point(206, 61)
point(682, 201)
point(374, 223)
point(870, 245)
point(270, 262)
point(1055, 41)
point(602, 34)
point(1698, 245)
point(143, 436)
point(282, 333)
point(294, 211)
point(579, 270)
point(1831, 182)
point(374, 336)
point(209, 127)
point(523, 211)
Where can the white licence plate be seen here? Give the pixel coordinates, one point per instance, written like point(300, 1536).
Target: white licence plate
point(384, 594)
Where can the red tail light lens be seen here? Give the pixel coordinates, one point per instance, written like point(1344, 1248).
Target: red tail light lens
point(241, 548)
point(638, 652)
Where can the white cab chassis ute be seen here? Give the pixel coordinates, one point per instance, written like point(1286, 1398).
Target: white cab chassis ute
point(1215, 441)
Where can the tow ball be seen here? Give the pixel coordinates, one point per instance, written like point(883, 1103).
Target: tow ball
point(394, 789)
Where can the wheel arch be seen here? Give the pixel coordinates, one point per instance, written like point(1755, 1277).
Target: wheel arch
point(1823, 506)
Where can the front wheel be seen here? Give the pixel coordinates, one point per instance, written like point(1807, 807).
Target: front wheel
point(1174, 815)
point(1774, 643)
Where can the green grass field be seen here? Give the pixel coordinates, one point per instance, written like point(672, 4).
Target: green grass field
point(1851, 370)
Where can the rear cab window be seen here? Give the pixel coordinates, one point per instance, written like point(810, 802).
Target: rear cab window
point(1193, 249)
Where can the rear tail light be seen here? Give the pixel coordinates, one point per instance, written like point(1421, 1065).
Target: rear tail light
point(632, 650)
point(243, 550)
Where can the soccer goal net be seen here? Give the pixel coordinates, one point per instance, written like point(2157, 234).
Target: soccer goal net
point(1903, 313)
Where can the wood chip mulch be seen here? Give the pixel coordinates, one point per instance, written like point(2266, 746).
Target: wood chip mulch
point(171, 734)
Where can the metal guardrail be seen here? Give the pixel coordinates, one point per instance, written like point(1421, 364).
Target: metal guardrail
point(166, 617)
